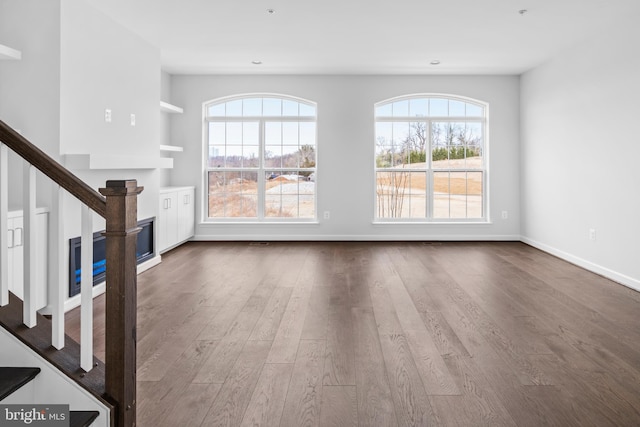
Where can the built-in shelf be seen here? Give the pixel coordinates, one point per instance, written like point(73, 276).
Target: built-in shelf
point(101, 161)
point(171, 148)
point(170, 108)
point(8, 53)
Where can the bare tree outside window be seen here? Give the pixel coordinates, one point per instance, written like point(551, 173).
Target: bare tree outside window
point(429, 159)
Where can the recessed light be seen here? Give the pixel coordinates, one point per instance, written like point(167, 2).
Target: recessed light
point(271, 11)
point(256, 62)
point(522, 11)
point(435, 62)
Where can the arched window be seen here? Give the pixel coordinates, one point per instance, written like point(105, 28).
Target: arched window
point(261, 160)
point(430, 159)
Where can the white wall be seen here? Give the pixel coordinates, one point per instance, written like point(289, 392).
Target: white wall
point(76, 63)
point(580, 151)
point(345, 151)
point(104, 65)
point(30, 88)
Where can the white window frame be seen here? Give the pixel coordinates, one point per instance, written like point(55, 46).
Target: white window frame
point(261, 169)
point(429, 120)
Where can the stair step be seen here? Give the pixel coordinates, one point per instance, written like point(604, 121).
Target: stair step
point(82, 418)
point(12, 378)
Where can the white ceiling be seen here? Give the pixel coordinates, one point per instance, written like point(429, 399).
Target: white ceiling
point(362, 36)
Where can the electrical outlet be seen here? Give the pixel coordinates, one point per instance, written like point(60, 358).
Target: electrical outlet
point(505, 214)
point(107, 115)
point(327, 215)
point(592, 234)
point(133, 119)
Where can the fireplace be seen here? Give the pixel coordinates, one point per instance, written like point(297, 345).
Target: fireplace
point(144, 251)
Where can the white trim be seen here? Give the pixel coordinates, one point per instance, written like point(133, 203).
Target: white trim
point(174, 148)
point(9, 53)
point(107, 161)
point(170, 108)
point(354, 238)
point(623, 279)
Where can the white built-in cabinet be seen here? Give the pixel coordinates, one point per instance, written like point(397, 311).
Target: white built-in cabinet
point(15, 242)
point(177, 219)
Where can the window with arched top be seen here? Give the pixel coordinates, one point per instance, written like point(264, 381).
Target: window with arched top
point(261, 158)
point(430, 159)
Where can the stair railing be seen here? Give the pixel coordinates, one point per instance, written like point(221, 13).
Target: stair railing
point(117, 204)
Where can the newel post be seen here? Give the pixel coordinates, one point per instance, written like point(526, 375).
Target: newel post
point(120, 346)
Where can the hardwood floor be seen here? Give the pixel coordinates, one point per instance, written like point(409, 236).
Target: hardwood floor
point(381, 334)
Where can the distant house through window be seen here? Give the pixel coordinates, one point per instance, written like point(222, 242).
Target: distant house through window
point(430, 159)
point(261, 158)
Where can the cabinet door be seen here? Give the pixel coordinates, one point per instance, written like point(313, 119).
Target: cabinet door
point(186, 214)
point(168, 230)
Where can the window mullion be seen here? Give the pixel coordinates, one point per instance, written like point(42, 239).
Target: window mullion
point(261, 173)
point(430, 177)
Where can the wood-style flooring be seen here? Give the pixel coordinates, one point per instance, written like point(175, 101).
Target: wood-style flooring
point(381, 334)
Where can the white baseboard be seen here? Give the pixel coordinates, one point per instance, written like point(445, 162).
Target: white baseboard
point(355, 238)
point(623, 279)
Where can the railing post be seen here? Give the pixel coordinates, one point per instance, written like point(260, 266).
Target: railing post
point(120, 346)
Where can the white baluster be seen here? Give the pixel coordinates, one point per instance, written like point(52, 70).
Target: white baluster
point(4, 227)
point(57, 283)
point(29, 208)
point(86, 291)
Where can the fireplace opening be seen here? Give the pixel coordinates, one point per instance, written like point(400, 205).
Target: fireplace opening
point(144, 251)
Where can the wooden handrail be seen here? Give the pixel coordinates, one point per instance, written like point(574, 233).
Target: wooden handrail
point(118, 205)
point(53, 169)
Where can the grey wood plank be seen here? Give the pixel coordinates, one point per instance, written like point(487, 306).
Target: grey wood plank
point(409, 396)
point(339, 361)
point(267, 401)
point(375, 404)
point(315, 322)
point(269, 321)
point(156, 399)
point(443, 335)
point(433, 371)
point(192, 406)
point(478, 401)
point(230, 405)
point(157, 364)
point(339, 406)
point(218, 365)
point(304, 397)
point(285, 344)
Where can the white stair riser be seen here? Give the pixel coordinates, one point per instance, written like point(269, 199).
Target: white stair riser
point(50, 386)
